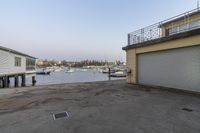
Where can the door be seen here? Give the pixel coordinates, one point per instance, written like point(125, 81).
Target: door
point(177, 68)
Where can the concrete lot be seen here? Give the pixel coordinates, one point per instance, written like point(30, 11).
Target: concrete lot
point(99, 107)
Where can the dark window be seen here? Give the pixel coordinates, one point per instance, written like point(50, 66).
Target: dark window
point(30, 64)
point(18, 61)
point(166, 32)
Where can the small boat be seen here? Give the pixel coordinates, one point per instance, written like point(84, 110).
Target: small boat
point(70, 71)
point(106, 71)
point(58, 70)
point(84, 70)
point(43, 73)
point(118, 74)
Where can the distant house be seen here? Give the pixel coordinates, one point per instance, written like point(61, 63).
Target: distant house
point(166, 53)
point(15, 64)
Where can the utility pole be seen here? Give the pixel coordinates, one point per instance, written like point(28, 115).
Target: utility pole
point(197, 4)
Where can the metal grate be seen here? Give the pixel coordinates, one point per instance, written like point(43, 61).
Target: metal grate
point(60, 115)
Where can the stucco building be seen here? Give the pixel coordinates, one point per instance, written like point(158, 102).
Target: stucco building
point(166, 53)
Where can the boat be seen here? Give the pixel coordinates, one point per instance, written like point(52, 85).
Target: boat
point(118, 74)
point(43, 72)
point(84, 70)
point(106, 71)
point(58, 70)
point(70, 71)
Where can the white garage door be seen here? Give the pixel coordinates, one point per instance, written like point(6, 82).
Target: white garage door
point(177, 68)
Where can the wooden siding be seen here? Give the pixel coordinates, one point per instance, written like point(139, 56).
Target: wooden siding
point(4, 62)
point(16, 69)
point(7, 64)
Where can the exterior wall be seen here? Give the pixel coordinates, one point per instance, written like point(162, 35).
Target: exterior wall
point(4, 62)
point(15, 69)
point(7, 64)
point(131, 54)
point(190, 41)
point(131, 63)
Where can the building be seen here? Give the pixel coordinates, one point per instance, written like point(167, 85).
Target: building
point(14, 64)
point(166, 53)
point(40, 62)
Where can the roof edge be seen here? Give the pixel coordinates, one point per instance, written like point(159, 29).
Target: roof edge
point(164, 39)
point(15, 52)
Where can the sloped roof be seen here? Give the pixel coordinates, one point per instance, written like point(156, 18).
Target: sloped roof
point(15, 52)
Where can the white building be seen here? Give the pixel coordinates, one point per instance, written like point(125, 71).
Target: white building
point(15, 64)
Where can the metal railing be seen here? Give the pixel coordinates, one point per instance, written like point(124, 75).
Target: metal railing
point(160, 29)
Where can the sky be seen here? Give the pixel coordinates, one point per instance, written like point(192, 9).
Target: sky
point(76, 30)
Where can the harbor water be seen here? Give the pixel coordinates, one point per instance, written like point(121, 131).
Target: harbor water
point(68, 77)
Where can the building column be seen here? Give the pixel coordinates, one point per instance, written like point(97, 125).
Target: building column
point(131, 63)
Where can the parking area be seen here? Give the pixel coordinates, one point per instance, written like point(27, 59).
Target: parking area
point(98, 107)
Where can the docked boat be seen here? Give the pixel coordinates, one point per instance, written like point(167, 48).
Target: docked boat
point(43, 72)
point(70, 71)
point(58, 70)
point(118, 74)
point(84, 70)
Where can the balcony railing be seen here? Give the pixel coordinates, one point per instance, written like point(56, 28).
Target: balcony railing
point(160, 29)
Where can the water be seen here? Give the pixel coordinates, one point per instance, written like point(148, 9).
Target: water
point(76, 76)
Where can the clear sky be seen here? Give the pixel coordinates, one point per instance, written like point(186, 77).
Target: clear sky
point(80, 29)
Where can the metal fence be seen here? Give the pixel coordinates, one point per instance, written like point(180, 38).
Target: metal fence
point(155, 31)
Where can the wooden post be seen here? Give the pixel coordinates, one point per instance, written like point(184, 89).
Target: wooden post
point(8, 81)
point(33, 81)
point(5, 82)
point(16, 81)
point(109, 73)
point(23, 80)
point(1, 83)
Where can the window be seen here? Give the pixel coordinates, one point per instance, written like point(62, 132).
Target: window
point(173, 31)
point(18, 61)
point(30, 64)
point(195, 25)
point(183, 27)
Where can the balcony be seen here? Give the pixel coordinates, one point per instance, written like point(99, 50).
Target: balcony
point(185, 22)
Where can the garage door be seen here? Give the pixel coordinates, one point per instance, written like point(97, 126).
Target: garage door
point(177, 68)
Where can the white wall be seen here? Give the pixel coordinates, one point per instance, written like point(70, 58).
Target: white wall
point(4, 62)
point(15, 69)
point(7, 63)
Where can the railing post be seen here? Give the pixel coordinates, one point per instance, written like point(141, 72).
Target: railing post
point(129, 39)
point(141, 38)
point(150, 33)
